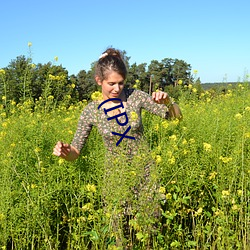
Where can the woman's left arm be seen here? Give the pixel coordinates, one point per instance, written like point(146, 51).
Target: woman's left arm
point(163, 98)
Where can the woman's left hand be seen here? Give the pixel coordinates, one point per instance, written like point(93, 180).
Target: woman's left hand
point(161, 97)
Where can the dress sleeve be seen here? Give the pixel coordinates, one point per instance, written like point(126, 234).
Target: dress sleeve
point(84, 127)
point(151, 106)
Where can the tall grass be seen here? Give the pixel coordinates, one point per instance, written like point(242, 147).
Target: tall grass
point(203, 163)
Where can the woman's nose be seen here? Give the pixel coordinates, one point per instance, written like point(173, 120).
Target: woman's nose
point(116, 87)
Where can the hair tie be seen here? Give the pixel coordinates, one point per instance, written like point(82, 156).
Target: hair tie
point(103, 55)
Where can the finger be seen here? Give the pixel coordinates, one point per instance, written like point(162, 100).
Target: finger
point(153, 95)
point(56, 152)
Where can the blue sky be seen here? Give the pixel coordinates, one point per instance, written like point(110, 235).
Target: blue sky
point(212, 36)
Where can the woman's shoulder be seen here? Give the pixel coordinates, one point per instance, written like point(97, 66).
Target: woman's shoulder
point(136, 95)
point(90, 107)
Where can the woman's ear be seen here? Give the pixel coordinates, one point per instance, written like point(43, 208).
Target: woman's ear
point(98, 80)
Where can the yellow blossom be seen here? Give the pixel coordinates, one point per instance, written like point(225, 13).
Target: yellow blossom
point(195, 71)
point(2, 72)
point(239, 192)
point(73, 85)
point(96, 96)
point(173, 137)
point(190, 86)
point(180, 82)
point(194, 90)
point(2, 217)
point(198, 212)
point(247, 108)
point(156, 127)
point(158, 159)
point(3, 97)
point(191, 140)
point(37, 149)
point(56, 58)
point(87, 207)
point(238, 116)
point(29, 44)
point(13, 103)
point(133, 116)
point(207, 147)
point(162, 190)
point(184, 141)
point(4, 124)
point(168, 196)
point(137, 80)
point(212, 175)
point(50, 97)
point(175, 122)
point(235, 207)
point(91, 188)
point(171, 160)
point(218, 212)
point(135, 86)
point(225, 193)
point(164, 124)
point(61, 161)
point(225, 159)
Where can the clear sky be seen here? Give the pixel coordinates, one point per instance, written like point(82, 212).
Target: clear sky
point(213, 36)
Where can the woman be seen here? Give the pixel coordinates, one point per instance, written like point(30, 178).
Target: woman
point(118, 119)
point(110, 74)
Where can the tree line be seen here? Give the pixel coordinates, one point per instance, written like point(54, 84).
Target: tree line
point(22, 79)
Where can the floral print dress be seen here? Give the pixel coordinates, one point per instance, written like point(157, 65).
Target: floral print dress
point(137, 192)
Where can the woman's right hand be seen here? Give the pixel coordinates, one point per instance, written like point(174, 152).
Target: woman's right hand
point(62, 149)
point(66, 151)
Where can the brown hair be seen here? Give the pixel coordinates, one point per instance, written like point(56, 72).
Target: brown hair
point(110, 60)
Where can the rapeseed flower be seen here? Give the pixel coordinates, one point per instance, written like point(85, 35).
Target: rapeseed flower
point(156, 127)
point(158, 159)
point(212, 175)
point(133, 116)
point(164, 124)
point(87, 207)
point(91, 188)
point(171, 160)
point(225, 193)
point(2, 72)
point(56, 58)
point(180, 82)
point(173, 137)
point(96, 96)
point(198, 212)
point(225, 159)
point(239, 192)
point(162, 190)
point(207, 147)
point(235, 207)
point(168, 196)
point(29, 44)
point(238, 116)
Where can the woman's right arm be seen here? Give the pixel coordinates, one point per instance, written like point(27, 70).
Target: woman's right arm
point(66, 151)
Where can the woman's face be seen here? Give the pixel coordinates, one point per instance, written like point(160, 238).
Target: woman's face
point(112, 86)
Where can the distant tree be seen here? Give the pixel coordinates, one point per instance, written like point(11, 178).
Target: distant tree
point(18, 79)
point(86, 84)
